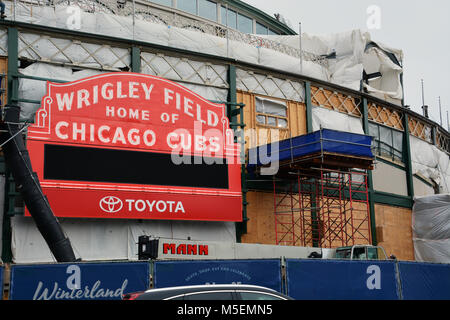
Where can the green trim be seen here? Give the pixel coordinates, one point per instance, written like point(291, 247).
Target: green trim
point(233, 110)
point(308, 103)
point(13, 68)
point(232, 95)
point(423, 180)
point(135, 59)
point(373, 224)
point(433, 135)
point(393, 199)
point(13, 93)
point(407, 156)
point(393, 164)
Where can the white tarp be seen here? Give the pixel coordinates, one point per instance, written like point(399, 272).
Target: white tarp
point(430, 162)
point(347, 52)
point(35, 89)
point(109, 239)
point(431, 228)
point(329, 119)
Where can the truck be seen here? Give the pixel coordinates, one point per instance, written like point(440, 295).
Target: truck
point(177, 249)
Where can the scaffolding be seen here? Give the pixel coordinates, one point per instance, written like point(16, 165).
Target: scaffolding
point(322, 207)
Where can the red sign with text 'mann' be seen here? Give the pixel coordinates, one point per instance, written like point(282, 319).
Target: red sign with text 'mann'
point(134, 146)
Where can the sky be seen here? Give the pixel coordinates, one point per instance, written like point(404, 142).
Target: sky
point(420, 28)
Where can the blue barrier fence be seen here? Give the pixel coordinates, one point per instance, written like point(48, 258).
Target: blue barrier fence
point(300, 278)
point(338, 279)
point(425, 281)
point(78, 281)
point(265, 273)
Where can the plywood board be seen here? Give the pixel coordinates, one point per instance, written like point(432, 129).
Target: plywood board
point(395, 225)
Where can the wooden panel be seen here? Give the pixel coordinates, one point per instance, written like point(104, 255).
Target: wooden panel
point(261, 224)
point(419, 129)
point(385, 116)
point(257, 134)
point(335, 101)
point(396, 228)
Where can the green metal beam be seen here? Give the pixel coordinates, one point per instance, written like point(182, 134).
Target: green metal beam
point(13, 94)
point(393, 199)
point(234, 110)
point(373, 225)
point(407, 157)
point(135, 59)
point(13, 68)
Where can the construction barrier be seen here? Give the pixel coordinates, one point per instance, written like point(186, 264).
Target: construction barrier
point(78, 281)
point(425, 281)
point(310, 279)
point(338, 279)
point(265, 273)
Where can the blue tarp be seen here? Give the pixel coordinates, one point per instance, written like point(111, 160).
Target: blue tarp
point(341, 280)
point(78, 281)
point(265, 273)
point(344, 143)
point(425, 281)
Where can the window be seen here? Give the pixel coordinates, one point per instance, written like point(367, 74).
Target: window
point(343, 253)
point(271, 113)
point(261, 29)
point(207, 9)
point(387, 142)
point(245, 24)
point(359, 253)
point(273, 33)
point(211, 295)
point(163, 2)
point(188, 6)
point(258, 296)
point(372, 253)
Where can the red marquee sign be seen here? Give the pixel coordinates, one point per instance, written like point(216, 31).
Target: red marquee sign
point(127, 145)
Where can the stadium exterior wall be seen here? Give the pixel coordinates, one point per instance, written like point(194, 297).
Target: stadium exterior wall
point(389, 212)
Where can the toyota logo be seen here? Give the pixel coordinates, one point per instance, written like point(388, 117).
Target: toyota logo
point(111, 204)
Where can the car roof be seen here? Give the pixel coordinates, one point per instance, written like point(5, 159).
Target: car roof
point(161, 293)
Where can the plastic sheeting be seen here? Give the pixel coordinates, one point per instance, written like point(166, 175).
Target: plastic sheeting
point(427, 160)
point(349, 54)
point(104, 239)
point(431, 228)
point(329, 119)
point(35, 90)
point(346, 52)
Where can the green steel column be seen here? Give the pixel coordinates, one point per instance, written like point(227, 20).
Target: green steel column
point(308, 103)
point(13, 69)
point(373, 230)
point(309, 129)
point(407, 157)
point(433, 135)
point(241, 227)
point(13, 96)
point(135, 59)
